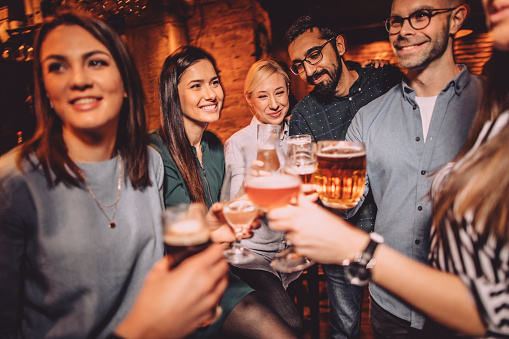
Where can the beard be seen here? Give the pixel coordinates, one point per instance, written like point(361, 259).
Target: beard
point(327, 88)
point(438, 48)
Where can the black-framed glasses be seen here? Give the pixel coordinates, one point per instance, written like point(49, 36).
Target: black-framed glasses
point(419, 19)
point(312, 58)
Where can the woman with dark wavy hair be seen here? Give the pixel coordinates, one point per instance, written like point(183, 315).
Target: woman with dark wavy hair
point(191, 97)
point(80, 204)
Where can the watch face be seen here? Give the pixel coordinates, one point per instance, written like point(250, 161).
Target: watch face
point(357, 273)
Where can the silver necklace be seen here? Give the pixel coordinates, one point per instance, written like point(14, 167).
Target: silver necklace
point(102, 206)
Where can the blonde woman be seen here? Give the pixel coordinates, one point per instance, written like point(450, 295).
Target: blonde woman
point(267, 91)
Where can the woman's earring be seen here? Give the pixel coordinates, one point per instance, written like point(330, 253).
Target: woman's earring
point(51, 104)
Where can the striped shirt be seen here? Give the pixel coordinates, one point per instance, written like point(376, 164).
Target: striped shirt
point(482, 262)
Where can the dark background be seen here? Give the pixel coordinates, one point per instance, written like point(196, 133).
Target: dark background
point(361, 21)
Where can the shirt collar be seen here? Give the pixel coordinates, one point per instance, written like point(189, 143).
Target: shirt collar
point(459, 82)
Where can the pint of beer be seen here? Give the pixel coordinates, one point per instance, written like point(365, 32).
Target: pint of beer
point(302, 156)
point(341, 173)
point(185, 232)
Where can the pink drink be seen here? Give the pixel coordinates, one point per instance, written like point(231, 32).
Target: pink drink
point(273, 191)
point(240, 214)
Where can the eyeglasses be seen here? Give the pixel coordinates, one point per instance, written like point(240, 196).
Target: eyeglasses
point(418, 20)
point(312, 58)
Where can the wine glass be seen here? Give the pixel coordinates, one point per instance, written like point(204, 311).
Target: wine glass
point(239, 212)
point(185, 233)
point(273, 189)
point(340, 173)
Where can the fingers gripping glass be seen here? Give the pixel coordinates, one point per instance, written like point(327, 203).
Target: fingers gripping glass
point(312, 58)
point(418, 20)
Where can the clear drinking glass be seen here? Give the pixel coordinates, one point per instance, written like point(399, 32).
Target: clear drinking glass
point(269, 189)
point(340, 173)
point(302, 156)
point(239, 212)
point(267, 148)
point(185, 233)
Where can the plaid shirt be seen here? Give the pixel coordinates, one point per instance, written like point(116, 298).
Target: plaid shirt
point(330, 119)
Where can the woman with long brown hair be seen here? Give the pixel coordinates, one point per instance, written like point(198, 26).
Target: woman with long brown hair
point(191, 97)
point(80, 204)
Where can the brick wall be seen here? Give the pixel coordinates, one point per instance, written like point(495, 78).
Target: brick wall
point(235, 32)
point(231, 30)
point(473, 50)
point(149, 55)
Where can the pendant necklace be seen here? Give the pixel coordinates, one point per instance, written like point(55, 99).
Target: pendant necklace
point(102, 206)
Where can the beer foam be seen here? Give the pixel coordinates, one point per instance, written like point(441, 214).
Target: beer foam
point(341, 152)
point(274, 181)
point(306, 169)
point(186, 232)
point(299, 142)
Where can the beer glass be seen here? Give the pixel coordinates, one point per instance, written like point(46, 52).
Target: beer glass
point(239, 212)
point(340, 173)
point(268, 150)
point(302, 156)
point(185, 233)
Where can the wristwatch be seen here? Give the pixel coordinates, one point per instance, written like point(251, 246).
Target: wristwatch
point(358, 271)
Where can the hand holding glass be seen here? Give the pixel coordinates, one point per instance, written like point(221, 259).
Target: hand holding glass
point(185, 233)
point(273, 190)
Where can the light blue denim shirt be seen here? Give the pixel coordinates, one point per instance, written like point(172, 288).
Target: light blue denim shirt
point(400, 166)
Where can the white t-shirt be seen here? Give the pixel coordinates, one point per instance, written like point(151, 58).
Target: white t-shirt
point(426, 104)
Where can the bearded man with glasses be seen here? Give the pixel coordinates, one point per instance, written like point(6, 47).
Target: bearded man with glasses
point(410, 132)
point(341, 88)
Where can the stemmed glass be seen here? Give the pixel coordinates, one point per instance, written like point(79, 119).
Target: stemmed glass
point(269, 189)
point(301, 159)
point(239, 212)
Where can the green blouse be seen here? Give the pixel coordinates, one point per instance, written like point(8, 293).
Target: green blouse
point(175, 192)
point(212, 171)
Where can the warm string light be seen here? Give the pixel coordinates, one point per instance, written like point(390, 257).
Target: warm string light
point(109, 8)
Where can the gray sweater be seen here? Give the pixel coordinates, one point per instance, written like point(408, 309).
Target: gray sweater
point(63, 272)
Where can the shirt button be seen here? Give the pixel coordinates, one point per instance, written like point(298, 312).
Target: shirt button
point(417, 242)
point(458, 87)
point(423, 172)
point(414, 107)
point(417, 139)
point(419, 208)
point(350, 98)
